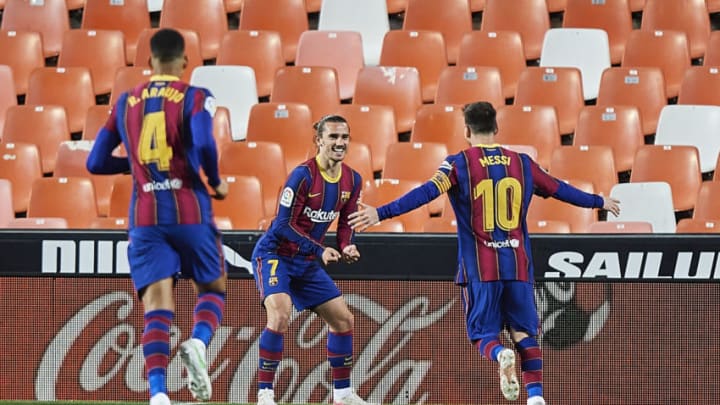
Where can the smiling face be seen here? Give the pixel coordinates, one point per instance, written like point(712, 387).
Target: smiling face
point(333, 141)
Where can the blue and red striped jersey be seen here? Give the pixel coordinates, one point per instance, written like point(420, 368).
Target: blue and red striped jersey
point(490, 189)
point(309, 203)
point(166, 128)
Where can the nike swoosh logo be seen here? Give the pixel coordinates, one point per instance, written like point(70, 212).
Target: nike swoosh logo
point(311, 195)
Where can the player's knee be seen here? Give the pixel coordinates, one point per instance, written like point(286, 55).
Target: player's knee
point(344, 322)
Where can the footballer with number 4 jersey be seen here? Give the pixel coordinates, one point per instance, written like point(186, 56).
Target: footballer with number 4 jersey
point(286, 259)
point(165, 126)
point(490, 189)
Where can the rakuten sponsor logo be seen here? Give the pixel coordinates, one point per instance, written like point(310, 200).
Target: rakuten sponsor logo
point(166, 185)
point(320, 215)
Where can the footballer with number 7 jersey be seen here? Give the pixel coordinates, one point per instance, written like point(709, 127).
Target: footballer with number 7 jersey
point(490, 189)
point(166, 127)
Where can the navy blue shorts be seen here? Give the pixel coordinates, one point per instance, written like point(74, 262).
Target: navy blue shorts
point(305, 281)
point(490, 306)
point(161, 251)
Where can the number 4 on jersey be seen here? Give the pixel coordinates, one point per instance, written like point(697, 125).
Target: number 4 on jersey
point(153, 142)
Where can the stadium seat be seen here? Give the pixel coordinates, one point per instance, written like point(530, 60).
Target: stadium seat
point(593, 164)
point(397, 87)
point(317, 87)
point(440, 225)
point(646, 201)
point(289, 124)
point(38, 223)
point(95, 119)
point(154, 6)
point(667, 50)
point(126, 78)
point(341, 50)
point(396, 6)
point(192, 50)
point(559, 87)
point(692, 225)
point(584, 48)
point(713, 6)
point(260, 50)
point(287, 17)
point(642, 87)
point(109, 223)
point(70, 162)
point(373, 125)
point(621, 227)
point(440, 123)
point(716, 175)
point(612, 16)
point(70, 88)
point(49, 18)
point(637, 5)
point(128, 16)
point(73, 5)
point(312, 6)
point(423, 50)
point(529, 125)
point(712, 53)
point(678, 166)
point(207, 18)
point(528, 17)
point(387, 226)
point(21, 166)
point(551, 209)
point(265, 160)
point(42, 125)
point(8, 97)
point(413, 160)
point(234, 88)
point(548, 226)
point(72, 198)
point(700, 85)
point(556, 6)
point(245, 192)
point(384, 191)
point(501, 49)
point(462, 85)
point(452, 18)
point(616, 126)
point(706, 207)
point(22, 52)
point(369, 18)
point(120, 196)
point(7, 212)
point(477, 5)
point(688, 16)
point(101, 51)
point(221, 128)
point(695, 125)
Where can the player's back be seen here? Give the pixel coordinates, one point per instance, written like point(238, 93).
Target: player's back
point(154, 120)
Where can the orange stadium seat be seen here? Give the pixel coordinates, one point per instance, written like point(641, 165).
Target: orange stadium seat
point(712, 53)
point(700, 85)
point(21, 166)
point(637, 5)
point(500, 49)
point(642, 87)
point(528, 17)
point(70, 88)
point(233, 6)
point(465, 84)
point(221, 128)
point(593, 164)
point(8, 97)
point(621, 227)
point(120, 197)
point(261, 50)
point(38, 223)
point(289, 124)
point(529, 125)
point(707, 207)
point(560, 87)
point(128, 16)
point(452, 18)
point(207, 18)
point(384, 191)
point(616, 126)
point(126, 78)
point(49, 18)
point(667, 50)
point(692, 225)
point(109, 223)
point(101, 51)
point(548, 226)
point(95, 119)
point(192, 50)
point(42, 125)
point(713, 6)
point(75, 4)
point(317, 87)
point(440, 123)
point(312, 6)
point(264, 160)
point(397, 87)
point(245, 192)
point(679, 166)
point(716, 174)
point(413, 160)
point(373, 125)
point(444, 224)
point(613, 16)
point(72, 198)
point(396, 6)
point(556, 6)
point(550, 209)
point(387, 226)
point(287, 17)
point(341, 50)
point(22, 52)
point(688, 16)
point(7, 212)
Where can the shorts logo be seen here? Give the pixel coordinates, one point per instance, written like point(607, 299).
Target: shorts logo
point(286, 197)
point(273, 281)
